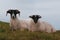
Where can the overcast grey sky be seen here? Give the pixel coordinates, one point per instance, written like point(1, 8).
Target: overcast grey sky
point(48, 9)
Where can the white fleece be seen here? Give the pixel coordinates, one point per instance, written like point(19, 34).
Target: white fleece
point(18, 24)
point(41, 26)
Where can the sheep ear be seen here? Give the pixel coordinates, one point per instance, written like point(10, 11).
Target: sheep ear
point(40, 17)
point(30, 16)
point(9, 11)
point(18, 12)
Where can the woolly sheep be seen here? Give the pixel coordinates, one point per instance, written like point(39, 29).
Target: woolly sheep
point(15, 23)
point(38, 25)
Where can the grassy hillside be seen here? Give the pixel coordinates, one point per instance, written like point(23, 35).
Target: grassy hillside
point(6, 34)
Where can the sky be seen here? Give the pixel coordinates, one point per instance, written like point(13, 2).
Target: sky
point(48, 9)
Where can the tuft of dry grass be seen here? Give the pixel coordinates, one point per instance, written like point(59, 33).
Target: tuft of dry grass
point(6, 34)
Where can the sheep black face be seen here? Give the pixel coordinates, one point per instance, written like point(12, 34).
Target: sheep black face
point(13, 13)
point(35, 18)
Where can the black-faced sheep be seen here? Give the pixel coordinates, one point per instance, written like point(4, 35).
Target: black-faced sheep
point(15, 23)
point(38, 25)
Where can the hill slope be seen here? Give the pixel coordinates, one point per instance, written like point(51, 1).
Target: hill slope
point(6, 34)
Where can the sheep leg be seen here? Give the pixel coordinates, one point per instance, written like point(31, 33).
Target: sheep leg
point(12, 29)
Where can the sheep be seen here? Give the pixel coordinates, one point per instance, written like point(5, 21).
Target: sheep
point(15, 23)
point(37, 25)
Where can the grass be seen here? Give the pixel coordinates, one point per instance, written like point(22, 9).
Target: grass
point(6, 34)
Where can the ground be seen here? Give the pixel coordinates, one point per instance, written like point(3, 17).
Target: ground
point(7, 34)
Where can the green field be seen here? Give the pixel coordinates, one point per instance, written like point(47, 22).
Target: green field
point(6, 34)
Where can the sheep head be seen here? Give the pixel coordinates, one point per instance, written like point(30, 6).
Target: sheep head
point(13, 13)
point(35, 17)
